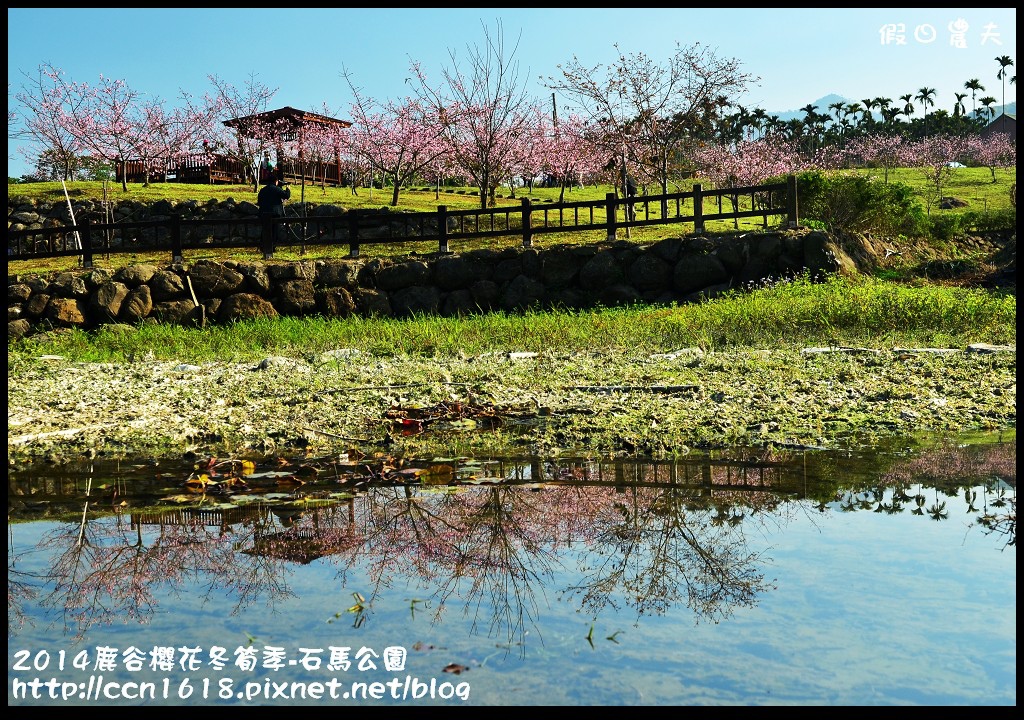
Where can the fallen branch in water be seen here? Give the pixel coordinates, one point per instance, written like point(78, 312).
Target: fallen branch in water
point(336, 437)
point(663, 389)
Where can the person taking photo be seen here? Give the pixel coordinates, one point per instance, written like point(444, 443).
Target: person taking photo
point(270, 201)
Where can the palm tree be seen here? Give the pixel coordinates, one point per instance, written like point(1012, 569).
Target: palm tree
point(1004, 62)
point(975, 86)
point(987, 102)
point(908, 105)
point(883, 104)
point(868, 118)
point(924, 96)
point(958, 107)
point(852, 109)
point(837, 108)
point(889, 115)
point(757, 119)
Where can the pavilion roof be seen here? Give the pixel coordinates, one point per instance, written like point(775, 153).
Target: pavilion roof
point(293, 116)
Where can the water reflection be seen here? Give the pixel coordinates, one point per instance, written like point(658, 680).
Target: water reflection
point(498, 539)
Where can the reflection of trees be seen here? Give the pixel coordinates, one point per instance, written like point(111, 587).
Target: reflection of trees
point(647, 536)
point(954, 471)
point(497, 546)
point(20, 587)
point(657, 547)
point(512, 543)
point(109, 570)
point(999, 515)
point(493, 546)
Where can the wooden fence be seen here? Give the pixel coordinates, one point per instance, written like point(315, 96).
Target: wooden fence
point(443, 227)
point(216, 169)
point(200, 169)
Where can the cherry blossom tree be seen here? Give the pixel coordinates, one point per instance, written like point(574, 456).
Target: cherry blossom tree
point(887, 151)
point(199, 125)
point(748, 162)
point(50, 102)
point(399, 139)
point(994, 151)
point(653, 114)
point(572, 152)
point(484, 112)
point(320, 144)
point(934, 156)
point(113, 123)
point(245, 144)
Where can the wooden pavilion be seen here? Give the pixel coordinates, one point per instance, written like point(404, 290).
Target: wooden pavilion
point(288, 125)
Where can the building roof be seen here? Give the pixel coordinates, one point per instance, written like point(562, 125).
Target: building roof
point(291, 115)
point(1000, 116)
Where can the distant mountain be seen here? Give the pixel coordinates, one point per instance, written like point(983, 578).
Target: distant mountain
point(823, 102)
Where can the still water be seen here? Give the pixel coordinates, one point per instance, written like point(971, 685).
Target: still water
point(740, 578)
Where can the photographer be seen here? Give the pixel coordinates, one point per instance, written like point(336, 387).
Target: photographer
point(270, 200)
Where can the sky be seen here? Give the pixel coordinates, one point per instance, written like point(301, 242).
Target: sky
point(797, 55)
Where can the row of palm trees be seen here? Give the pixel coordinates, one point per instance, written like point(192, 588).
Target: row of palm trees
point(844, 121)
point(847, 120)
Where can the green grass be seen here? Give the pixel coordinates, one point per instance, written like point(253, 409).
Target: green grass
point(841, 311)
point(973, 185)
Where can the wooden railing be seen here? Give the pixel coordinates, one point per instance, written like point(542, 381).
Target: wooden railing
point(443, 227)
point(314, 172)
point(200, 169)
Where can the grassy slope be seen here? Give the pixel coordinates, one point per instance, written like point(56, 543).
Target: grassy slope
point(972, 185)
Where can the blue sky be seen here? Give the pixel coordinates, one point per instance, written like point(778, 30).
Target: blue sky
point(799, 55)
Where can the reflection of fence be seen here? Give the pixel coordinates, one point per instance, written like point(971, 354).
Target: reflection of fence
point(202, 516)
point(703, 477)
point(359, 227)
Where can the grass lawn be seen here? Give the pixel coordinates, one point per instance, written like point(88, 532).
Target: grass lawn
point(972, 185)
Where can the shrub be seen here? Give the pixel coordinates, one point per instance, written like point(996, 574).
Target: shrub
point(860, 204)
point(989, 220)
point(946, 227)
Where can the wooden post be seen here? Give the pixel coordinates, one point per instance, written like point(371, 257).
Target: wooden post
point(527, 224)
point(792, 205)
point(176, 255)
point(442, 228)
point(610, 209)
point(353, 234)
point(85, 238)
point(698, 209)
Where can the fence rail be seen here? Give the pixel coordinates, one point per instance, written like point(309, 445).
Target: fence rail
point(361, 227)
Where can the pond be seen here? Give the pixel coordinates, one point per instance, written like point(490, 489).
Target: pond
point(735, 578)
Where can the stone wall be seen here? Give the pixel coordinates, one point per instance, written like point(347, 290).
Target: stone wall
point(673, 270)
point(214, 220)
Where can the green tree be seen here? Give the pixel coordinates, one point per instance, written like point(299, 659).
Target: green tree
point(908, 105)
point(1004, 62)
point(925, 96)
point(975, 86)
point(958, 106)
point(987, 102)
